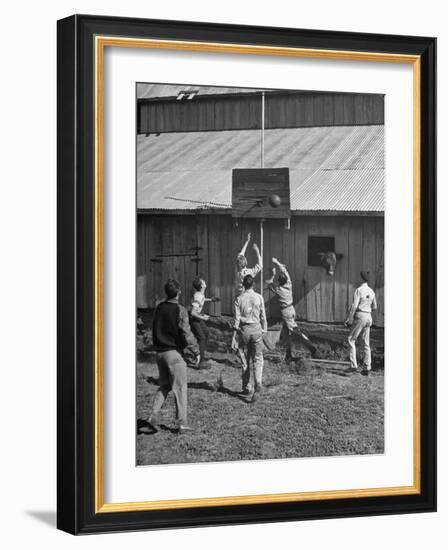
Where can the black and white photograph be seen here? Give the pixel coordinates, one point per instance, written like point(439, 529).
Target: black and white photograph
point(260, 274)
point(220, 308)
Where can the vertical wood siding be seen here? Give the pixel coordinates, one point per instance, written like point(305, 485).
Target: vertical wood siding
point(292, 110)
point(318, 297)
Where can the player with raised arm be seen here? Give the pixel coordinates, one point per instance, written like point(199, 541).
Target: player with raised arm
point(283, 290)
point(241, 265)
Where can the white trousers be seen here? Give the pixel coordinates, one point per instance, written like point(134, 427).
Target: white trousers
point(361, 328)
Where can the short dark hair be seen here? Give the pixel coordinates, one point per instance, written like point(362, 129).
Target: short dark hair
point(282, 279)
point(365, 276)
point(248, 281)
point(197, 283)
point(172, 288)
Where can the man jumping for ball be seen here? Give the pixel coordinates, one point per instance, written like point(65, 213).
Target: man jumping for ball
point(283, 290)
point(241, 265)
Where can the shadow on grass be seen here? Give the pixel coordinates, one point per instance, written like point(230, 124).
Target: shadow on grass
point(226, 361)
point(232, 393)
point(346, 373)
point(204, 385)
point(193, 385)
point(217, 388)
point(146, 428)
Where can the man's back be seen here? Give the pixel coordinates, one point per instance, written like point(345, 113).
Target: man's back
point(249, 308)
point(171, 329)
point(365, 298)
point(165, 330)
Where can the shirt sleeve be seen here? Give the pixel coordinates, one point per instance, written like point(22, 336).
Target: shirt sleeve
point(254, 270)
point(242, 252)
point(237, 311)
point(263, 320)
point(188, 340)
point(285, 271)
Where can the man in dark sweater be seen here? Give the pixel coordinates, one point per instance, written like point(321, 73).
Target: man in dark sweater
point(171, 335)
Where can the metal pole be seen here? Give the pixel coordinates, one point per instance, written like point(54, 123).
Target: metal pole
point(261, 221)
point(262, 129)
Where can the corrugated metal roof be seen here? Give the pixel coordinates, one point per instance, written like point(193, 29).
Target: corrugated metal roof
point(152, 91)
point(338, 168)
point(341, 190)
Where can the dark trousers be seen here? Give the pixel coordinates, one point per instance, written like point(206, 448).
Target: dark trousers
point(200, 330)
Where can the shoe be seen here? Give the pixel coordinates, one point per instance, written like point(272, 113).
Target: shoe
point(351, 370)
point(183, 429)
point(365, 372)
point(153, 422)
point(245, 391)
point(148, 427)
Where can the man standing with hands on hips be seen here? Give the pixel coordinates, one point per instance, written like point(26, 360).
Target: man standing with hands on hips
point(360, 320)
point(250, 320)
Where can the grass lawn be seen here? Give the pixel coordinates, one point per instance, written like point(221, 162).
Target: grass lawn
point(304, 411)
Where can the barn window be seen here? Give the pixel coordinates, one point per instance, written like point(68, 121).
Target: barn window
point(318, 244)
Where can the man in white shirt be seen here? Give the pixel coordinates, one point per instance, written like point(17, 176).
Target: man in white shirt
point(241, 265)
point(360, 319)
point(250, 320)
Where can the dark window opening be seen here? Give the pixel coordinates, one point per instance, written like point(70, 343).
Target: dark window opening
point(316, 245)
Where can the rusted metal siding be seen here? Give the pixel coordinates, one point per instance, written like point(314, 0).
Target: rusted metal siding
point(243, 111)
point(317, 296)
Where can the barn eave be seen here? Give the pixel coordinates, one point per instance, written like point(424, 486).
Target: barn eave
point(228, 211)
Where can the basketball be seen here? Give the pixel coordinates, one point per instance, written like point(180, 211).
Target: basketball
point(274, 201)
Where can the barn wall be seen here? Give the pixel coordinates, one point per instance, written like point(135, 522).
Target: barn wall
point(293, 110)
point(317, 296)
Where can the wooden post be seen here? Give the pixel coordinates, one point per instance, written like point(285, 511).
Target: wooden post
point(262, 129)
point(262, 258)
point(261, 221)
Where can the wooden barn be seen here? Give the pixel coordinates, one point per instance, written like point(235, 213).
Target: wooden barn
point(189, 141)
